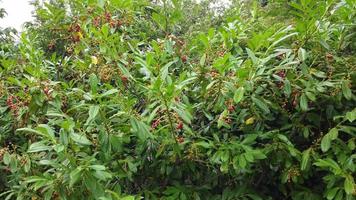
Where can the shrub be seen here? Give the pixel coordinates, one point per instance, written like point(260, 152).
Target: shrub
point(123, 100)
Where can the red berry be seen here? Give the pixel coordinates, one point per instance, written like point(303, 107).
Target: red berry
point(97, 21)
point(231, 108)
point(108, 16)
point(184, 58)
point(180, 139)
point(180, 126)
point(124, 80)
point(155, 123)
point(282, 74)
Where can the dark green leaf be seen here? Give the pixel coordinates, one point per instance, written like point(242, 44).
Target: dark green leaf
point(261, 104)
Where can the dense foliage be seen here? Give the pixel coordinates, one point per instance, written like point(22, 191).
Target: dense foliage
point(125, 99)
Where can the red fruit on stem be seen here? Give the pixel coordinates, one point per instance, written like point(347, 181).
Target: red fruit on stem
point(231, 108)
point(124, 80)
point(155, 123)
point(179, 126)
point(180, 139)
point(108, 16)
point(184, 58)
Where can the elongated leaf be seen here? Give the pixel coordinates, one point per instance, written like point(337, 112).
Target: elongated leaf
point(102, 175)
point(203, 144)
point(252, 56)
point(109, 92)
point(349, 185)
point(184, 114)
point(351, 116)
point(302, 54)
point(305, 159)
point(346, 90)
point(326, 140)
point(325, 143)
point(128, 198)
point(328, 163)
point(124, 71)
point(331, 193)
point(93, 81)
point(97, 167)
point(202, 60)
point(260, 104)
point(311, 96)
point(239, 94)
point(164, 70)
point(46, 130)
point(80, 139)
point(93, 112)
point(140, 129)
point(38, 146)
point(287, 88)
point(283, 38)
point(303, 103)
point(42, 130)
point(333, 133)
point(74, 176)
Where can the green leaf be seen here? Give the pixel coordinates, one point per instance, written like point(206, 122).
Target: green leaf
point(97, 167)
point(74, 176)
point(46, 130)
point(252, 56)
point(184, 114)
point(283, 38)
point(7, 158)
point(333, 133)
point(346, 90)
point(303, 102)
point(287, 88)
point(331, 193)
point(124, 71)
point(42, 130)
point(203, 144)
point(258, 154)
point(93, 112)
point(80, 139)
point(326, 140)
point(102, 175)
point(311, 96)
point(248, 156)
point(202, 60)
point(242, 162)
point(38, 146)
point(351, 116)
point(306, 132)
point(221, 119)
point(165, 69)
point(325, 143)
point(128, 198)
point(250, 139)
point(261, 105)
point(93, 81)
point(302, 54)
point(140, 129)
point(239, 94)
point(105, 30)
point(349, 185)
point(33, 179)
point(329, 163)
point(305, 159)
point(109, 92)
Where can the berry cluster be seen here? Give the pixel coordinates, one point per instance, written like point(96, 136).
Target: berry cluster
point(12, 103)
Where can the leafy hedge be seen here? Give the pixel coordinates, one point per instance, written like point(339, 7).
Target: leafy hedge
point(124, 99)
